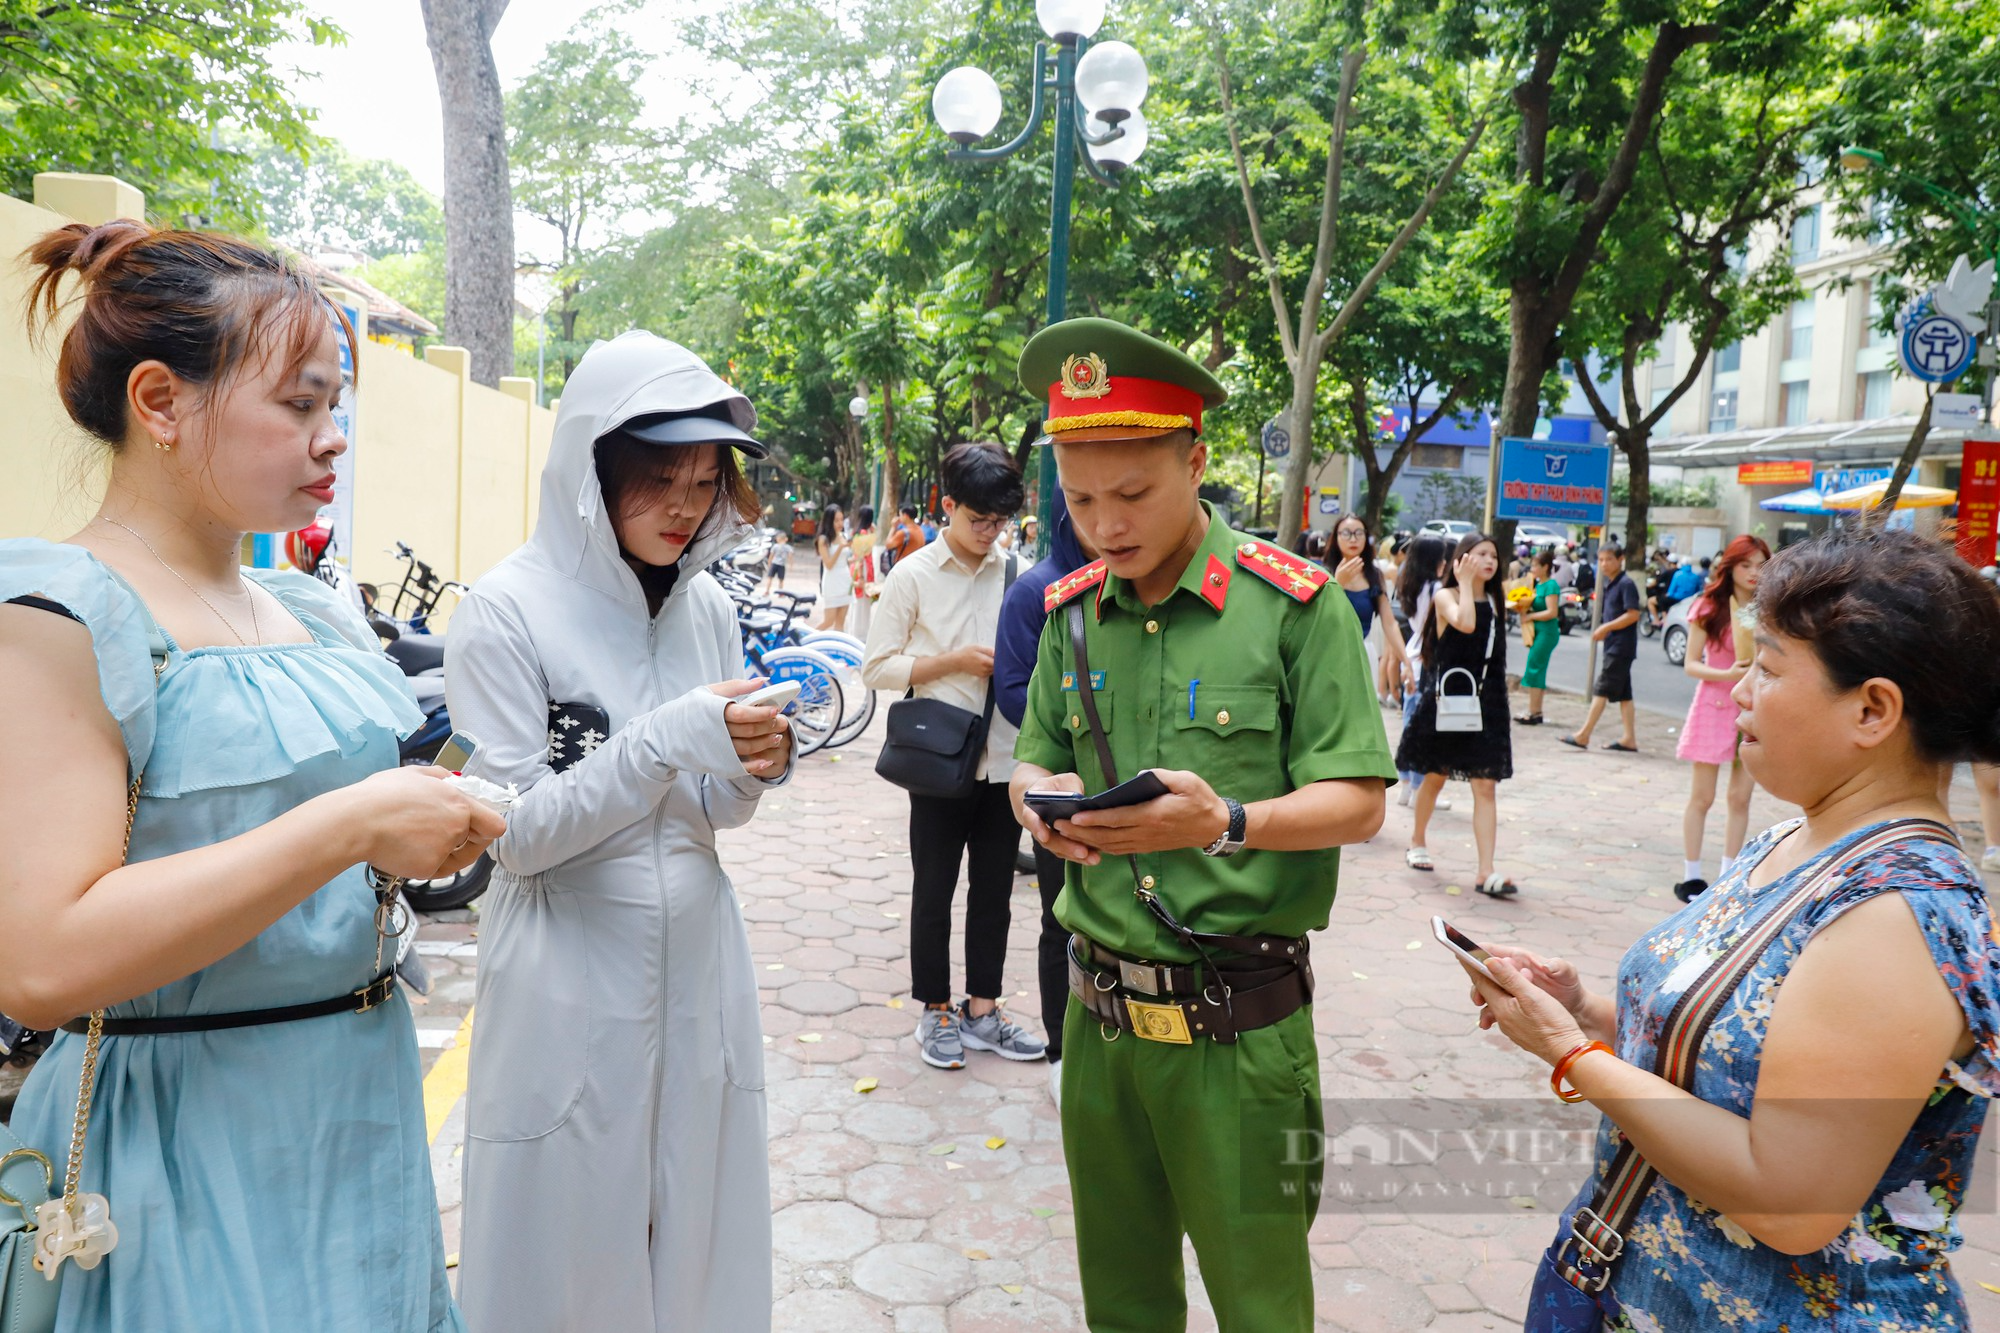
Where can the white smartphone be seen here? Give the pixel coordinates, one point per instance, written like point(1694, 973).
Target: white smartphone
point(772, 696)
point(457, 752)
point(1462, 944)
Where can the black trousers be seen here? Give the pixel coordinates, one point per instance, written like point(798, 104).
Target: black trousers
point(942, 833)
point(1052, 952)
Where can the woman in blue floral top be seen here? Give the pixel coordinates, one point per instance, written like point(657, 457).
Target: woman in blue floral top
point(1811, 1179)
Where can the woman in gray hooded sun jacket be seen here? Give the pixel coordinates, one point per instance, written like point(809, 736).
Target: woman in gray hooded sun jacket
point(616, 1176)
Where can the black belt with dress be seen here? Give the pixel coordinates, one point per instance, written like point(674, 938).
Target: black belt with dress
point(1167, 1002)
point(355, 1002)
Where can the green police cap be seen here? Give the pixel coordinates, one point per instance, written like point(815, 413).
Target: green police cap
point(1108, 381)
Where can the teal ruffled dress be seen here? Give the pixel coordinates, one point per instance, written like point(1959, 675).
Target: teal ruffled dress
point(264, 1178)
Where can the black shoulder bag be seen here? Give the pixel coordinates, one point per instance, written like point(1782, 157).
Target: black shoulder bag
point(934, 748)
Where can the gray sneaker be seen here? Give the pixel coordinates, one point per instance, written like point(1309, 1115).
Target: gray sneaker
point(938, 1039)
point(992, 1032)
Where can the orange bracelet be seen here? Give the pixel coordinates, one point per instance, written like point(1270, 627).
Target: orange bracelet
point(1562, 1069)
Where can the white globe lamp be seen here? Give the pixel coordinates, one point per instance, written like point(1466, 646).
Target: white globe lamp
point(1123, 151)
point(1111, 80)
point(966, 103)
point(1067, 20)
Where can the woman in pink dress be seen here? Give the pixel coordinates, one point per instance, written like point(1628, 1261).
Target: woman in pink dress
point(1718, 655)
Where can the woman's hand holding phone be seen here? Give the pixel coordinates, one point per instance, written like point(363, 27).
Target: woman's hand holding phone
point(1556, 977)
point(762, 736)
point(417, 825)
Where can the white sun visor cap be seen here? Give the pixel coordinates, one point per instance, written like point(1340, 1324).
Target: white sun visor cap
point(703, 425)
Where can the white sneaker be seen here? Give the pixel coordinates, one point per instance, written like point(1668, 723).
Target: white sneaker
point(1990, 861)
point(1055, 1083)
point(1444, 803)
point(1405, 794)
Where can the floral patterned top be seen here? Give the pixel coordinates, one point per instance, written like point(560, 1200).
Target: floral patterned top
point(1687, 1267)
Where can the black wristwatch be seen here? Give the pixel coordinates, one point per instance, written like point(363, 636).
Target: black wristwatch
point(1231, 841)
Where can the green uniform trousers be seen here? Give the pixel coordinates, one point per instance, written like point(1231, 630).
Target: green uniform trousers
point(1217, 1142)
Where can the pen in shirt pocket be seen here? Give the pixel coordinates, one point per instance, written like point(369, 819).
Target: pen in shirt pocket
point(1191, 685)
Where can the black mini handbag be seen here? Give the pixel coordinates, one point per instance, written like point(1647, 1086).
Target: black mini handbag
point(934, 748)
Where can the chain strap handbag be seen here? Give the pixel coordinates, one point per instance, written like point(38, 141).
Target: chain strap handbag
point(1571, 1292)
point(72, 1225)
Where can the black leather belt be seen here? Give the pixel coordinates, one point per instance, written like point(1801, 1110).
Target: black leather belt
point(1153, 978)
point(1239, 998)
point(355, 1002)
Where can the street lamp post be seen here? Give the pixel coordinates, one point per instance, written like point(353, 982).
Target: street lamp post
point(1108, 81)
point(857, 409)
point(1971, 214)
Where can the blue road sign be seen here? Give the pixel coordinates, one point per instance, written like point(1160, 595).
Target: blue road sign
point(1559, 480)
point(1277, 440)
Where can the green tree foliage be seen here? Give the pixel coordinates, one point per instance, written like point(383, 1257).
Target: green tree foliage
point(582, 158)
point(1593, 80)
point(1917, 81)
point(146, 89)
point(322, 197)
point(1724, 161)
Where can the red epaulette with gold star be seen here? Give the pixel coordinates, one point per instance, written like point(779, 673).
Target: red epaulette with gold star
point(1292, 575)
point(1069, 585)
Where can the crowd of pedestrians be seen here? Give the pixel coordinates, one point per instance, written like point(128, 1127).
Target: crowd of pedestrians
point(1792, 1069)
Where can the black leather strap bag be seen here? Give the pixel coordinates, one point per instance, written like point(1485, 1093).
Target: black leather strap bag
point(934, 748)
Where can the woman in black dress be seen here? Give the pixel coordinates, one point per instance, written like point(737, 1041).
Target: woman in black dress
point(1465, 654)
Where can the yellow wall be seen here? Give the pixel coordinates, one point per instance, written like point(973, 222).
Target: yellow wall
point(449, 467)
point(50, 471)
point(493, 479)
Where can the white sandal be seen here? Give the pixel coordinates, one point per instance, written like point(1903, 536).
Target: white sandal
point(1416, 858)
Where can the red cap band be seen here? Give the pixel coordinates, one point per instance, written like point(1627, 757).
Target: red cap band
point(1128, 401)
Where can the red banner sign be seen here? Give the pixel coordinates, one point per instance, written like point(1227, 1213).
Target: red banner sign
point(1979, 501)
point(1775, 472)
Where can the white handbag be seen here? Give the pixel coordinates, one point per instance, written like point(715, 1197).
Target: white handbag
point(1463, 712)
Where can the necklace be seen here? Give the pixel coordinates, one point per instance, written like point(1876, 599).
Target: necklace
point(256, 632)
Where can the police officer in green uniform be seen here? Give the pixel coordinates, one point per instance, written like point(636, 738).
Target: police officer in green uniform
point(1190, 1079)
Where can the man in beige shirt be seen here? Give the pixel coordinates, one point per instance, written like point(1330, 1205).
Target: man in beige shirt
point(932, 633)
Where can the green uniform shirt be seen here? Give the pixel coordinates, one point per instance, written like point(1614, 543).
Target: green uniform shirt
point(1260, 697)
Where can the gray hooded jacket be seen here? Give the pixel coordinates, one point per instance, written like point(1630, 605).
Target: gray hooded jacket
point(616, 1175)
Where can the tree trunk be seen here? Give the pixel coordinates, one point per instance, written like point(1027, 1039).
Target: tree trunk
point(478, 200)
point(1637, 446)
point(1539, 302)
point(1520, 396)
point(1299, 421)
point(1879, 515)
point(892, 479)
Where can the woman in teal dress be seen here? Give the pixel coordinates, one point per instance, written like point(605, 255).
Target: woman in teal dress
point(274, 1175)
point(1810, 1180)
point(1544, 612)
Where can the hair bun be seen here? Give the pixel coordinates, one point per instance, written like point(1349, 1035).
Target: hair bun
point(103, 245)
point(80, 248)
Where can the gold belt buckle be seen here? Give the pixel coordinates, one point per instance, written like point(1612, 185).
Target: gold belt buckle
point(1158, 1022)
point(1139, 976)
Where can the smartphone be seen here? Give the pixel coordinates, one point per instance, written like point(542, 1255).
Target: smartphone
point(1147, 786)
point(1461, 944)
point(1053, 805)
point(772, 696)
point(457, 752)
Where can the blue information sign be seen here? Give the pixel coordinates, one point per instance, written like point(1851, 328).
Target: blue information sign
point(1559, 480)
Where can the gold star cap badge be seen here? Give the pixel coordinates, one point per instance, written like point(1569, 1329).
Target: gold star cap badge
point(1085, 376)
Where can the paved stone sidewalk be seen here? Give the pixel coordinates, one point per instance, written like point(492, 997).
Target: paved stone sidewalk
point(939, 1202)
